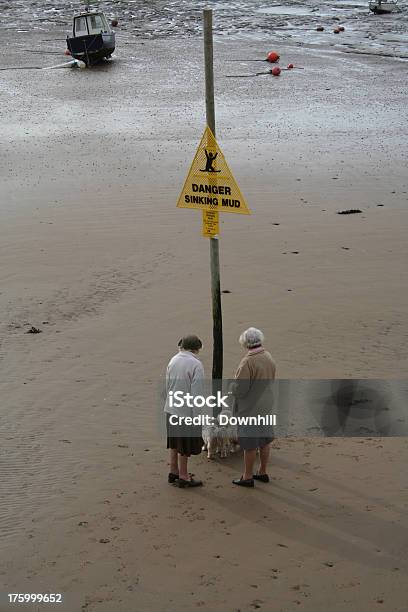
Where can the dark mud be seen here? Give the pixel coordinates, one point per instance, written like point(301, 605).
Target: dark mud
point(386, 35)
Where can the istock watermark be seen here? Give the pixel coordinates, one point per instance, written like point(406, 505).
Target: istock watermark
point(294, 408)
point(223, 420)
point(180, 399)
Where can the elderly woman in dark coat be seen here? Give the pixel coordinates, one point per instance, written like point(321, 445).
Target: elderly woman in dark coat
point(253, 394)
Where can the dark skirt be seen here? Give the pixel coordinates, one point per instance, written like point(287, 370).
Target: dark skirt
point(251, 437)
point(186, 440)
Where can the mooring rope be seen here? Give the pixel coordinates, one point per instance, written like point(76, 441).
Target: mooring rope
point(72, 64)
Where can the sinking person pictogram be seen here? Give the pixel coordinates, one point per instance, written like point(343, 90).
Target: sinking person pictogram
point(210, 157)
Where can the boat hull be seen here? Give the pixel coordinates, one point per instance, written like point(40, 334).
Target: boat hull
point(383, 8)
point(91, 48)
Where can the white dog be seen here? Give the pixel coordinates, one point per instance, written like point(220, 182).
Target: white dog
point(221, 439)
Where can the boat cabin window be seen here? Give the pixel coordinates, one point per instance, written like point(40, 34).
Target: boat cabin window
point(91, 24)
point(80, 26)
point(97, 24)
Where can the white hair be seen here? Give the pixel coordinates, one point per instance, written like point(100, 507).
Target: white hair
point(251, 337)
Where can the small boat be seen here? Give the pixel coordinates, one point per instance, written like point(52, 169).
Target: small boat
point(381, 7)
point(92, 38)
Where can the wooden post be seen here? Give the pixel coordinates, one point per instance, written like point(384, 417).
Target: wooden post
point(214, 242)
point(209, 69)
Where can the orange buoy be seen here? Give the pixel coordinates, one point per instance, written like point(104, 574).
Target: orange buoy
point(276, 71)
point(114, 23)
point(272, 57)
point(67, 52)
point(290, 66)
point(320, 28)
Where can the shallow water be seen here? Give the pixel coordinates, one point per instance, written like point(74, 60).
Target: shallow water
point(290, 19)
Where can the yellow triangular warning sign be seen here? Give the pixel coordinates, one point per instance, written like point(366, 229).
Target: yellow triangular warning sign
point(209, 184)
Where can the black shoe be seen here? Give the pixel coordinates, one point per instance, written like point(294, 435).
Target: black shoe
point(261, 477)
point(181, 483)
point(243, 483)
point(173, 477)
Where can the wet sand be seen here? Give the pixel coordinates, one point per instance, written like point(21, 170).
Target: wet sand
point(95, 254)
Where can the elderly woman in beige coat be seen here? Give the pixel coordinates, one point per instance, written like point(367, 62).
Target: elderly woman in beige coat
point(253, 395)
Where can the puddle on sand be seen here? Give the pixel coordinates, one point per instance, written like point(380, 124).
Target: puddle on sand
point(300, 10)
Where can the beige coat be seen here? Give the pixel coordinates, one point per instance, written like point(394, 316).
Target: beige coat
point(253, 386)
